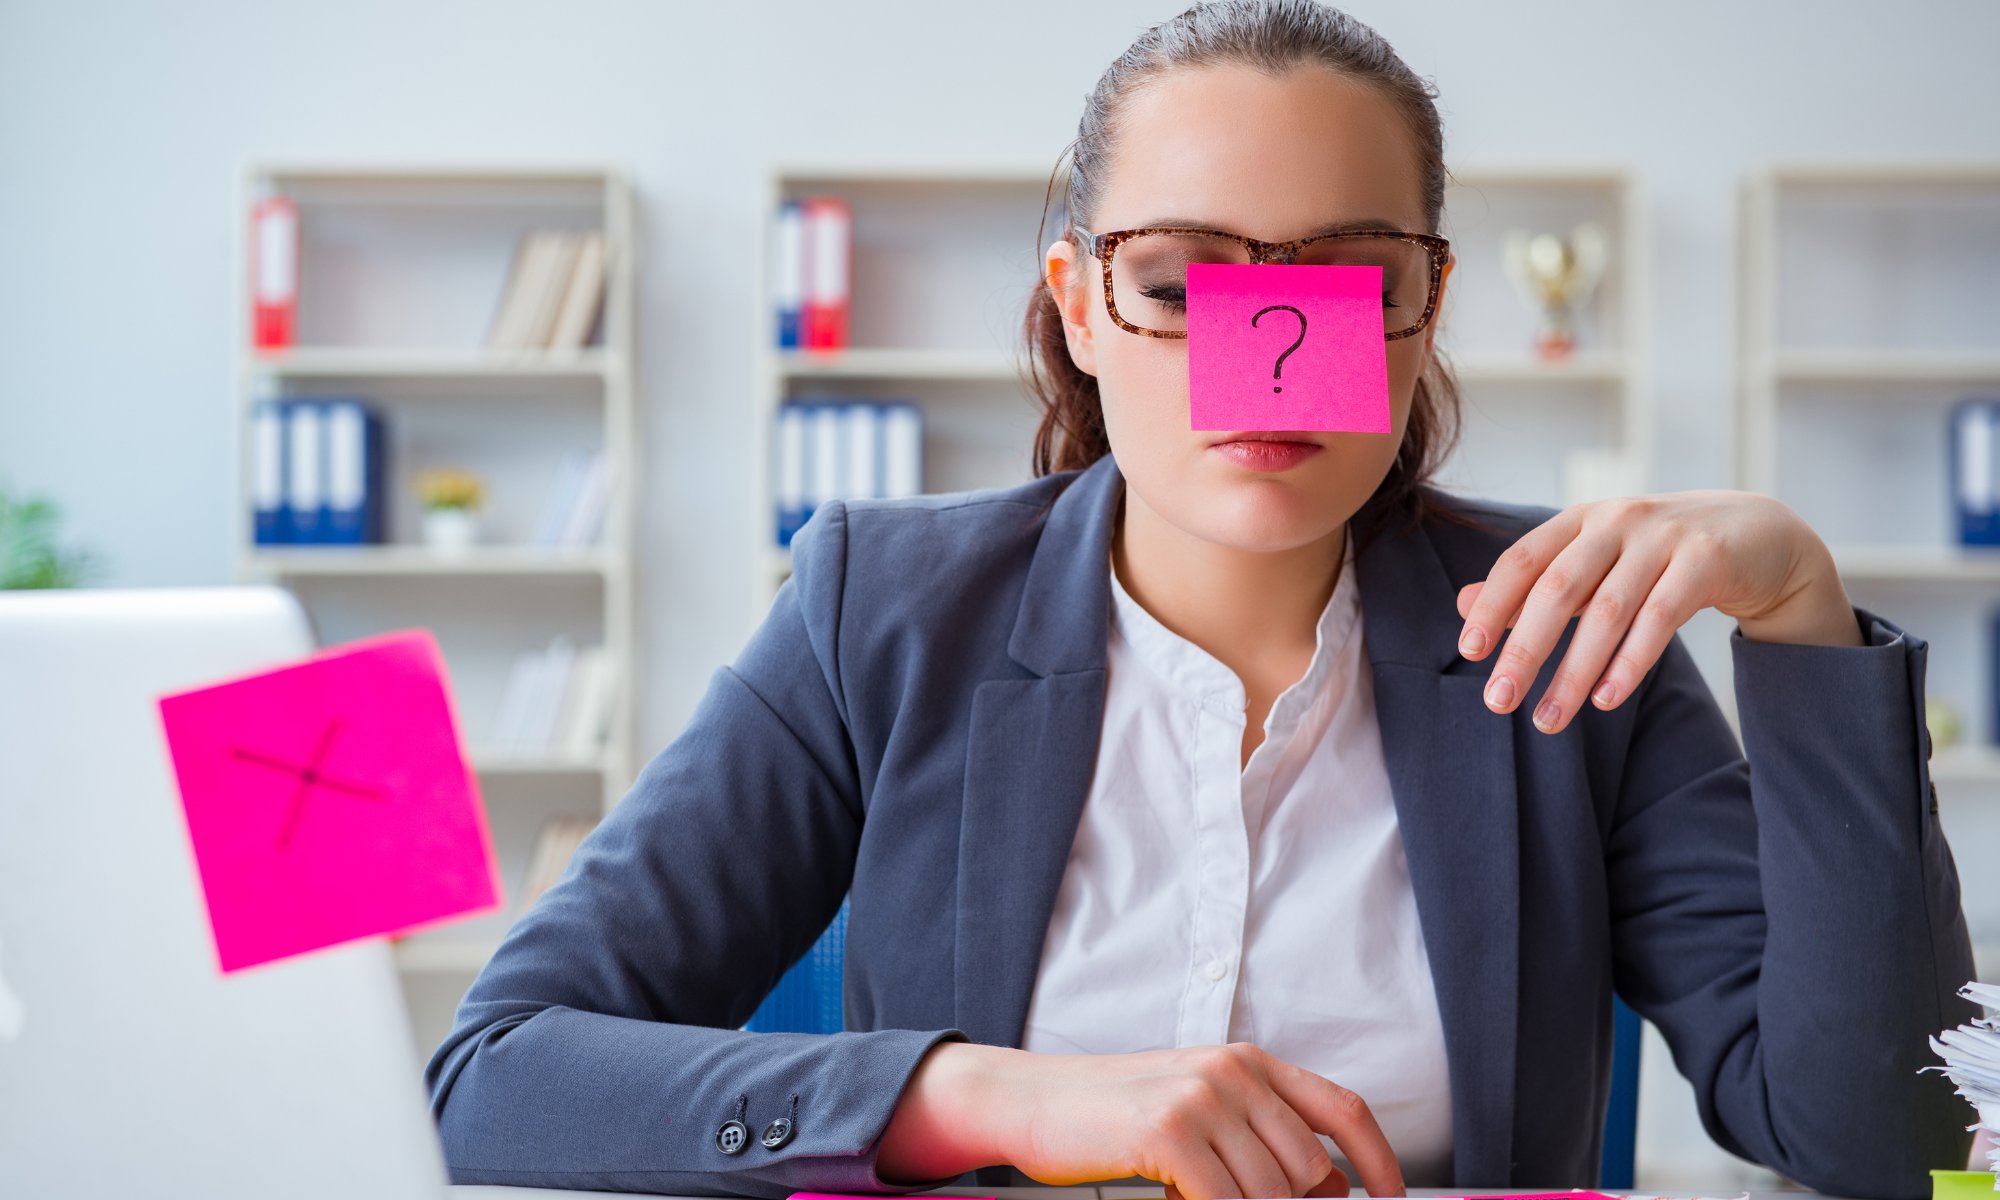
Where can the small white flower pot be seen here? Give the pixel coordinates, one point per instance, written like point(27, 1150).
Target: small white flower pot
point(450, 530)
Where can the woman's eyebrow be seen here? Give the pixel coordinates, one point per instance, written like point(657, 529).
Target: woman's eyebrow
point(1372, 224)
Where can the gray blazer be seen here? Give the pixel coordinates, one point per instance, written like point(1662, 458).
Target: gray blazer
point(914, 726)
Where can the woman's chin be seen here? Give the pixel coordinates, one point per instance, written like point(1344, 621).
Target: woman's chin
point(1264, 523)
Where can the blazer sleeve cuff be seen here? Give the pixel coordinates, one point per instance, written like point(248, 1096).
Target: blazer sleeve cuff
point(1840, 715)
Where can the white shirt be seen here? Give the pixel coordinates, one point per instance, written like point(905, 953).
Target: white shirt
point(1206, 901)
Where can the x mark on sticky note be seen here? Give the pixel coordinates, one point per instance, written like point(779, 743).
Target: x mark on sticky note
point(309, 777)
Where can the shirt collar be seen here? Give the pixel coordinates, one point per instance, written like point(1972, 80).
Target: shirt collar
point(1204, 679)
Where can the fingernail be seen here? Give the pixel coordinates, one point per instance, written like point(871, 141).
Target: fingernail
point(1604, 693)
point(1500, 693)
point(1546, 715)
point(1472, 641)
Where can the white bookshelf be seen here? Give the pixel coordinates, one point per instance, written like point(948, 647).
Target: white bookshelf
point(1866, 305)
point(1525, 417)
point(945, 260)
point(401, 269)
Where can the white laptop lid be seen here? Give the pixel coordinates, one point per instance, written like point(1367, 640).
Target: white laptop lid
point(129, 1065)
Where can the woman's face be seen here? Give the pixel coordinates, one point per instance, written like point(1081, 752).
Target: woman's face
point(1271, 158)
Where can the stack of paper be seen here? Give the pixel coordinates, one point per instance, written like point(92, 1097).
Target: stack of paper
point(1971, 1056)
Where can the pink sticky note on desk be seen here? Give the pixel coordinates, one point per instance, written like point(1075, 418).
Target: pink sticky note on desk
point(1578, 1194)
point(1280, 346)
point(330, 799)
point(845, 1196)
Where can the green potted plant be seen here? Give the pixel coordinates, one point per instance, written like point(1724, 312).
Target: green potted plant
point(29, 554)
point(451, 500)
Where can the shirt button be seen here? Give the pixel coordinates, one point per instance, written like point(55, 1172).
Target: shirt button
point(777, 1133)
point(733, 1137)
point(1217, 969)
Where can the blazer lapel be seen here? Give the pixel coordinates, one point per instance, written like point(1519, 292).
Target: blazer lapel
point(1451, 772)
point(1029, 761)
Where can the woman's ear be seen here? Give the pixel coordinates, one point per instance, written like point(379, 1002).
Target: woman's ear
point(1063, 275)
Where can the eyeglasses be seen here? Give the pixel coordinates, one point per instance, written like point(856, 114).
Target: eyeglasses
point(1145, 270)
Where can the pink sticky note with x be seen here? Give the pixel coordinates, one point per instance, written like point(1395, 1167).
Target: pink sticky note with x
point(330, 799)
point(1281, 346)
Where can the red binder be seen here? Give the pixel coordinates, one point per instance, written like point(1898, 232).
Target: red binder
point(829, 243)
point(274, 272)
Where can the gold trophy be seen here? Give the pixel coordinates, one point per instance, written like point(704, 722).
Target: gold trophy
point(1556, 276)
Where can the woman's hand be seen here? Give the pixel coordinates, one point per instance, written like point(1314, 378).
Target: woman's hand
point(1638, 567)
point(1207, 1121)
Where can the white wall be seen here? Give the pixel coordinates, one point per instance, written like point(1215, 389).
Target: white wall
point(122, 129)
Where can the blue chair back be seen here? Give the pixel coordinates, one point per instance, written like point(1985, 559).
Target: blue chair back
point(807, 1000)
point(1621, 1114)
point(807, 997)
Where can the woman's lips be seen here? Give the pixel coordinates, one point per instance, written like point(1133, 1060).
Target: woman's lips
point(1262, 455)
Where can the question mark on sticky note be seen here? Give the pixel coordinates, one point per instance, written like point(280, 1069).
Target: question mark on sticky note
point(1296, 342)
point(1336, 379)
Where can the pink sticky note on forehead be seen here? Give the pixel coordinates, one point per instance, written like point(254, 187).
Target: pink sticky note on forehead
point(1280, 346)
point(329, 800)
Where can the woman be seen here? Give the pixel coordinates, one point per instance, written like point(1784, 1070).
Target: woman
point(1158, 867)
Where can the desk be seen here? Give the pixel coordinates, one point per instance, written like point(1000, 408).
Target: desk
point(489, 1192)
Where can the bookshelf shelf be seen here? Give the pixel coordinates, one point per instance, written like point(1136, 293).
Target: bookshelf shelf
point(402, 270)
point(1586, 366)
point(1886, 366)
point(343, 362)
point(897, 363)
point(892, 363)
point(1975, 763)
point(1919, 564)
point(421, 560)
point(421, 954)
point(514, 762)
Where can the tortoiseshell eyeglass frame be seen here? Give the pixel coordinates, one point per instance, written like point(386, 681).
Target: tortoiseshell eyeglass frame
point(1101, 246)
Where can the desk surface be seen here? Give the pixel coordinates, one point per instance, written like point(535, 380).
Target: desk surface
point(489, 1192)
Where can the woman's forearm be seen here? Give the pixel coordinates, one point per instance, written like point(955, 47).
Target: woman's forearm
point(948, 1120)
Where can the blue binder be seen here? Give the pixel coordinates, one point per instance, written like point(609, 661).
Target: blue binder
point(788, 278)
point(318, 464)
point(305, 472)
point(267, 473)
point(1973, 440)
point(353, 484)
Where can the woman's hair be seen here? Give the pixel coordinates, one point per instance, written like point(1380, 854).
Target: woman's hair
point(1273, 36)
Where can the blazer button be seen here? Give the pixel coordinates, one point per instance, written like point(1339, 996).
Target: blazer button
point(778, 1132)
point(733, 1137)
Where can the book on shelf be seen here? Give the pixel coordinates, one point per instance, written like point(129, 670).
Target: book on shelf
point(812, 272)
point(316, 471)
point(557, 700)
point(583, 299)
point(843, 449)
point(555, 845)
point(573, 509)
point(554, 293)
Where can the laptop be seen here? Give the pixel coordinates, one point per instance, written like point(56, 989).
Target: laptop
point(129, 1065)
